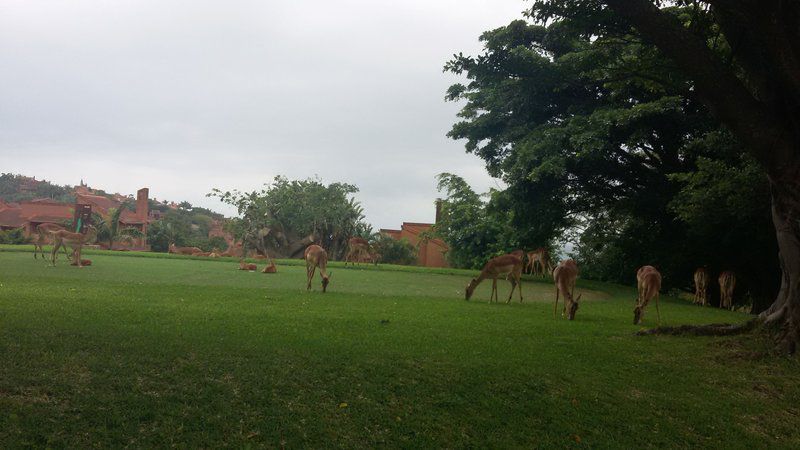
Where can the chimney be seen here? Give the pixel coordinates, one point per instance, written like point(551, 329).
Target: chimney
point(141, 203)
point(438, 210)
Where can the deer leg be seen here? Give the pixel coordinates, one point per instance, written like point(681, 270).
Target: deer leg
point(77, 255)
point(658, 312)
point(519, 282)
point(513, 286)
point(56, 244)
point(555, 306)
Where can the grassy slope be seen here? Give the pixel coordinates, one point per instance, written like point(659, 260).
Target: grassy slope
point(158, 351)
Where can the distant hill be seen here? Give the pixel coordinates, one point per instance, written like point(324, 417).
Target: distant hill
point(16, 188)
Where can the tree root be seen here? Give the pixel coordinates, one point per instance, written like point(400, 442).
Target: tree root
point(714, 329)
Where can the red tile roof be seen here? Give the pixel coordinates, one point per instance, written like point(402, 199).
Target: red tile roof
point(11, 217)
point(99, 203)
point(130, 217)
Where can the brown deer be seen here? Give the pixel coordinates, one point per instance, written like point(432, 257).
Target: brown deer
point(357, 250)
point(270, 268)
point(565, 274)
point(74, 240)
point(727, 283)
point(505, 265)
point(84, 262)
point(247, 266)
point(700, 286)
point(43, 230)
point(539, 262)
point(316, 256)
point(184, 250)
point(648, 281)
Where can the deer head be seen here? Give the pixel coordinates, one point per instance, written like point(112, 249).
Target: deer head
point(325, 280)
point(471, 288)
point(573, 308)
point(638, 314)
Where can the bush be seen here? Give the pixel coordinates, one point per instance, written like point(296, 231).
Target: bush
point(15, 236)
point(394, 251)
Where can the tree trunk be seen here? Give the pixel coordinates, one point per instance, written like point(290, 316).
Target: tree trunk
point(784, 314)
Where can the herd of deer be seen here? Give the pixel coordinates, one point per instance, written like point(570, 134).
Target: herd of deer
point(648, 282)
point(510, 266)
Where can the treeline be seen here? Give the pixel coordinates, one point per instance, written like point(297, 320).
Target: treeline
point(19, 188)
point(602, 143)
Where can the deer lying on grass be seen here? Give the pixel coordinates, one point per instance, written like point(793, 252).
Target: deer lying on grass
point(648, 281)
point(564, 275)
point(43, 230)
point(270, 268)
point(316, 256)
point(700, 286)
point(505, 265)
point(184, 250)
point(74, 240)
point(539, 262)
point(727, 283)
point(247, 266)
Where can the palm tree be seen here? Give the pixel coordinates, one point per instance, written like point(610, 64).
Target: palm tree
point(109, 230)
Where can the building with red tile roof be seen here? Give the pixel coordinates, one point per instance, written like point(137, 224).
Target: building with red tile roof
point(431, 252)
point(29, 214)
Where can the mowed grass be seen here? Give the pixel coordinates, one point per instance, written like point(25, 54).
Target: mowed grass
point(152, 352)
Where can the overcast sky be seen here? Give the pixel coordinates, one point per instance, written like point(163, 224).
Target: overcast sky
point(184, 96)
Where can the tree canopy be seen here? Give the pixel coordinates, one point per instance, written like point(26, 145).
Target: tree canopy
point(287, 215)
point(610, 99)
point(600, 132)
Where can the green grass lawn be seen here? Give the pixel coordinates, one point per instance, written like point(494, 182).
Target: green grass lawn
point(151, 352)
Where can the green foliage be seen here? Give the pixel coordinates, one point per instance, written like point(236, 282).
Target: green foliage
point(394, 251)
point(283, 215)
point(15, 236)
point(729, 225)
point(473, 231)
point(11, 189)
point(588, 125)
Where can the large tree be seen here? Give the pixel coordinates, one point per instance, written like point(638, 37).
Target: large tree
point(602, 105)
point(288, 215)
point(754, 91)
point(601, 134)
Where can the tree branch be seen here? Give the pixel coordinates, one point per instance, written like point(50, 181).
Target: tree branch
point(716, 84)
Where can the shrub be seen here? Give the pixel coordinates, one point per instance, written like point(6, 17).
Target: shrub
point(15, 236)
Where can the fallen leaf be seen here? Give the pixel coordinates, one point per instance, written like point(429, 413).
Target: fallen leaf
point(343, 405)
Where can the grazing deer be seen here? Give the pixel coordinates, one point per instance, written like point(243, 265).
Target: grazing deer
point(247, 266)
point(357, 249)
point(270, 268)
point(565, 274)
point(375, 257)
point(505, 265)
point(74, 240)
point(700, 286)
point(84, 262)
point(727, 283)
point(184, 250)
point(648, 281)
point(539, 262)
point(43, 230)
point(316, 256)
